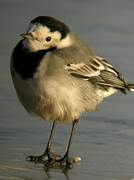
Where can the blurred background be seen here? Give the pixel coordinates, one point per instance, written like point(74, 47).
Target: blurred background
point(104, 139)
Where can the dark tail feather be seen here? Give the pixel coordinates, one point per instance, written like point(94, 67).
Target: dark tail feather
point(131, 87)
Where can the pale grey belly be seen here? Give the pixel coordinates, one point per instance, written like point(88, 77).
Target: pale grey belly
point(57, 100)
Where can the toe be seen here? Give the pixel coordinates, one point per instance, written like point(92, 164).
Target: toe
point(35, 159)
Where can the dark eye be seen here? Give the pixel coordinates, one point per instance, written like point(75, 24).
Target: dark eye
point(48, 38)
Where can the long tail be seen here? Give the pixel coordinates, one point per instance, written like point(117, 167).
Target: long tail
point(131, 87)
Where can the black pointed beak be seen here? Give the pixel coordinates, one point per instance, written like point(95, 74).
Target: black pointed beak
point(26, 35)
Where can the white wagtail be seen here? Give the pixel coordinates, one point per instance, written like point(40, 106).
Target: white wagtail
point(58, 77)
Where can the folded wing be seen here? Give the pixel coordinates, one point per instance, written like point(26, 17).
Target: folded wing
point(99, 72)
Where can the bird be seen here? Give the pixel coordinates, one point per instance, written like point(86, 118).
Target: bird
point(57, 77)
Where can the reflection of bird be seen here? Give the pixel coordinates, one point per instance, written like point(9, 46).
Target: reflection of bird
point(59, 169)
point(57, 76)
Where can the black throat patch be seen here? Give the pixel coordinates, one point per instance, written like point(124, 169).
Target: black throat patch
point(25, 62)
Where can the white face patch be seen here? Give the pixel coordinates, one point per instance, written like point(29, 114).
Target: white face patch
point(38, 35)
point(41, 32)
point(66, 42)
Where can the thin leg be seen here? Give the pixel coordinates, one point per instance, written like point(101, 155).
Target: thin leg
point(47, 152)
point(71, 135)
point(66, 156)
point(50, 139)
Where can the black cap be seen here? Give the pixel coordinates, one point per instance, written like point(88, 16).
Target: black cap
point(53, 24)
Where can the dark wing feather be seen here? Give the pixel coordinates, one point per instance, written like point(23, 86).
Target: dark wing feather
point(99, 72)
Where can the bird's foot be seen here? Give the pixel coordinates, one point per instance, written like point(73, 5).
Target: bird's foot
point(51, 160)
point(65, 161)
point(46, 157)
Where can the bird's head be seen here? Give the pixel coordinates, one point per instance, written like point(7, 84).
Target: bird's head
point(46, 32)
